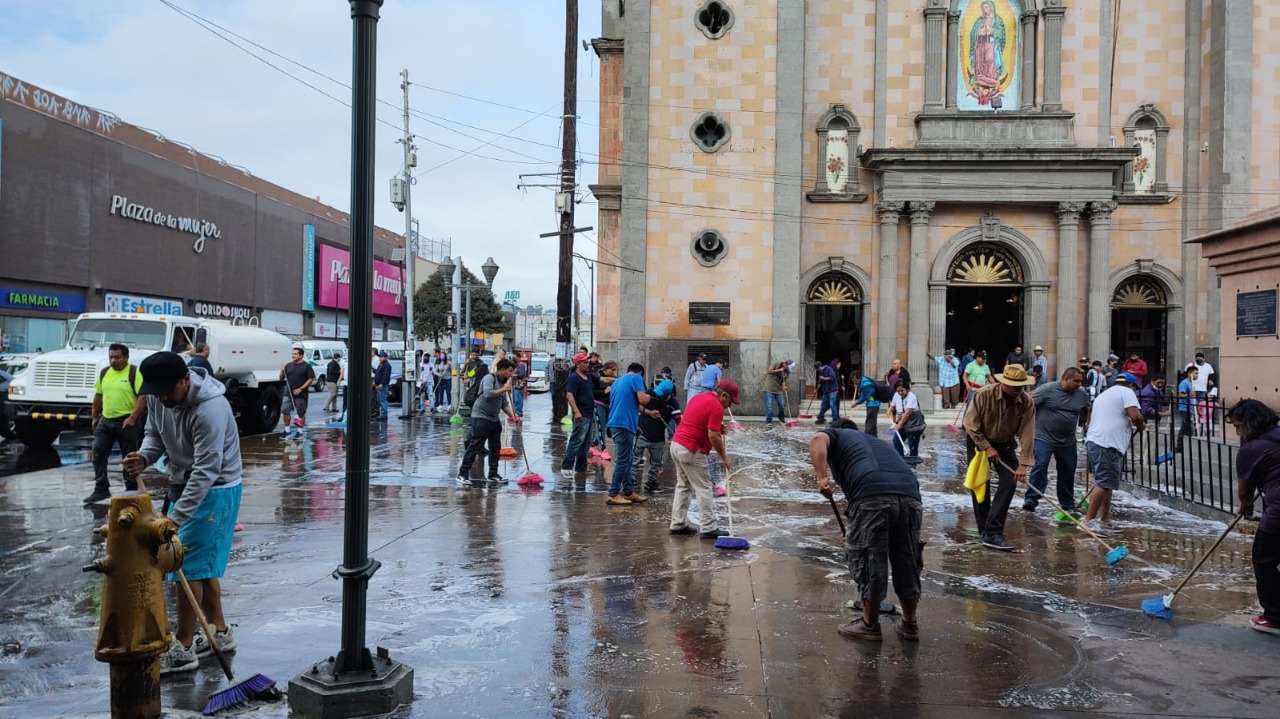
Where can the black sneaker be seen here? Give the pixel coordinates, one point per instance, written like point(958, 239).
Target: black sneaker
point(914, 460)
point(97, 496)
point(713, 534)
point(496, 478)
point(995, 541)
point(653, 488)
point(686, 529)
point(463, 478)
point(1029, 507)
point(820, 421)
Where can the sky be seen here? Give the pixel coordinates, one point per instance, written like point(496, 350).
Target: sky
point(153, 67)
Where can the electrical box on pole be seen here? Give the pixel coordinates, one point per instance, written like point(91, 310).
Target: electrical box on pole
point(398, 186)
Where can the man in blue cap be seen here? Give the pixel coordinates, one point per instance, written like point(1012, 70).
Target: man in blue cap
point(382, 383)
point(1116, 417)
point(652, 435)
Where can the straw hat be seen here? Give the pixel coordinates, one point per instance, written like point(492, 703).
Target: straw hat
point(1015, 375)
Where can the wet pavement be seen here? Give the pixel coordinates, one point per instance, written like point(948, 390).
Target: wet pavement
point(545, 603)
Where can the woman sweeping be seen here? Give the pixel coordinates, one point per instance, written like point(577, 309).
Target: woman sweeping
point(1258, 472)
point(908, 421)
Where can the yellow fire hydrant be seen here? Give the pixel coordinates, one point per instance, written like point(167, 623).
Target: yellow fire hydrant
point(133, 630)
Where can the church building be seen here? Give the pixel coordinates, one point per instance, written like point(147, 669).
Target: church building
point(881, 179)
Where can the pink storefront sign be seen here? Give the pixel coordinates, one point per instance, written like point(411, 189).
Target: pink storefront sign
point(333, 286)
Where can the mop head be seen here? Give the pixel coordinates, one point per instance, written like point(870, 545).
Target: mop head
point(1158, 607)
point(792, 423)
point(257, 686)
point(1117, 554)
point(732, 543)
point(530, 479)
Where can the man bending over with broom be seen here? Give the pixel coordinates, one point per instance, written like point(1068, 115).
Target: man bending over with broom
point(190, 420)
point(884, 514)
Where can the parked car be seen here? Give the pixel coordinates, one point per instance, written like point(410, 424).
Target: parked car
point(15, 363)
point(539, 365)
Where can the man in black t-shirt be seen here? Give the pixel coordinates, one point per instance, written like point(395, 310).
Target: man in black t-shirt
point(581, 399)
point(884, 515)
point(333, 376)
point(298, 376)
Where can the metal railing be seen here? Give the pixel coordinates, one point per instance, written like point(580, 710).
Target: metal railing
point(1189, 455)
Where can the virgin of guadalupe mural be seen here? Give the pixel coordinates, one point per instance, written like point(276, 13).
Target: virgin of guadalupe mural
point(988, 54)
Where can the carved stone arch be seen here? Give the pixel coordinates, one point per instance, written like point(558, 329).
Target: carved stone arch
point(1167, 279)
point(1147, 119)
point(1034, 269)
point(837, 123)
point(835, 267)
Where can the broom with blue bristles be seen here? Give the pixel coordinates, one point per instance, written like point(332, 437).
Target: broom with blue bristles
point(1162, 607)
point(1114, 554)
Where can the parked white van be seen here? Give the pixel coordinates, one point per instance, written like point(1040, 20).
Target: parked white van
point(317, 353)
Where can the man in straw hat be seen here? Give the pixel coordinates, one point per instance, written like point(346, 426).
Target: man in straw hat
point(1002, 423)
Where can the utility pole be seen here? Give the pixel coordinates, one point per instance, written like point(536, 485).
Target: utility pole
point(565, 202)
point(407, 398)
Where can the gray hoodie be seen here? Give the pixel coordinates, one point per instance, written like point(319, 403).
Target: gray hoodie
point(200, 438)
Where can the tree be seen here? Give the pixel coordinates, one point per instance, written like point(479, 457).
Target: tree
point(433, 301)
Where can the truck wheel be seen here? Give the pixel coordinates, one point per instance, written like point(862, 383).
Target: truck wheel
point(318, 385)
point(261, 412)
point(36, 434)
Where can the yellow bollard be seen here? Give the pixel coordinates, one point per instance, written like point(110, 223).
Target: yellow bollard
point(133, 630)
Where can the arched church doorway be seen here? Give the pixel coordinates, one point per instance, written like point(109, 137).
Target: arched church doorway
point(1139, 321)
point(985, 300)
point(835, 320)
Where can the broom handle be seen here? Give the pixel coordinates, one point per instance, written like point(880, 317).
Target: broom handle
point(1206, 555)
point(204, 624)
point(1058, 508)
point(520, 431)
point(839, 519)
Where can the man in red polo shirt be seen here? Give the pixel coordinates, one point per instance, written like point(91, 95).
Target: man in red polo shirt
point(700, 431)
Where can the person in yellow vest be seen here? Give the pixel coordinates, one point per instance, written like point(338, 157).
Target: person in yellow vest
point(116, 409)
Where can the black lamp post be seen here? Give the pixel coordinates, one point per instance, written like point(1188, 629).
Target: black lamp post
point(354, 681)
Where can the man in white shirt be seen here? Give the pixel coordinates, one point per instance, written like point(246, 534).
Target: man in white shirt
point(1202, 382)
point(1116, 416)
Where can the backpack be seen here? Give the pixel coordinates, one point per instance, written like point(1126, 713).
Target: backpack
point(133, 375)
point(881, 390)
point(473, 392)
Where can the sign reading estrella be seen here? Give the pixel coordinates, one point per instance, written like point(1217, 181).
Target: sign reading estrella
point(334, 289)
point(41, 301)
point(309, 268)
point(142, 305)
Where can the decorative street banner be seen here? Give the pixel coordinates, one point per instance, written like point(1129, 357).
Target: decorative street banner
point(309, 268)
point(334, 286)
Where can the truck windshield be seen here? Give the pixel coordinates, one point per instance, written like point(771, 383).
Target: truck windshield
point(101, 332)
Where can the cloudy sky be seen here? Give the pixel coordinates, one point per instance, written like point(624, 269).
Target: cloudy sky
point(154, 67)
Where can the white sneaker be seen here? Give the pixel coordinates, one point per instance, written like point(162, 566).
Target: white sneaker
point(1096, 526)
point(178, 659)
point(566, 473)
point(226, 642)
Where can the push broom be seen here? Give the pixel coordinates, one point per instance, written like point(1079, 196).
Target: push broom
point(530, 477)
point(955, 423)
point(808, 408)
point(786, 402)
point(1114, 554)
point(733, 423)
point(730, 542)
point(1162, 607)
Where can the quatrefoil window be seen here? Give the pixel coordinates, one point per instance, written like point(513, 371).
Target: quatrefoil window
point(710, 132)
point(714, 19)
point(708, 248)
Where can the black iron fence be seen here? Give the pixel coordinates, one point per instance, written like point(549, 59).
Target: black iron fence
point(1187, 451)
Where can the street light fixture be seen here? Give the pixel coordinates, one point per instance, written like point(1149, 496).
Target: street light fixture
point(447, 269)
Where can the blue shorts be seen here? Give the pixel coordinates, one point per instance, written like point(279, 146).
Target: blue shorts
point(207, 535)
point(1107, 464)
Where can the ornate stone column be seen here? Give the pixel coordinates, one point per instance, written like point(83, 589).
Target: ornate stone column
point(938, 317)
point(1099, 324)
point(1035, 317)
point(1053, 15)
point(1028, 61)
point(1068, 344)
point(953, 47)
point(935, 16)
point(887, 299)
point(918, 293)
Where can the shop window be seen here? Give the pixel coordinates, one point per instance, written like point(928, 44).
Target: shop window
point(714, 19)
point(709, 248)
point(710, 132)
point(837, 170)
point(1145, 178)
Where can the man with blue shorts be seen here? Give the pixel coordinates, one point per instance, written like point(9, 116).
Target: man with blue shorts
point(190, 420)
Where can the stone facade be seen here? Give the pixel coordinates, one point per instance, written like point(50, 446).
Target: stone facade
point(1019, 171)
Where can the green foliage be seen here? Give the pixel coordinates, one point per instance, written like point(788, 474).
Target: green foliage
point(432, 301)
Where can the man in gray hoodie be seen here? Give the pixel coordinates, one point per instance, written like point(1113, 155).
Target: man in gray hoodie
point(190, 419)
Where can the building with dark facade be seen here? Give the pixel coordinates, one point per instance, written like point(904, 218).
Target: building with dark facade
point(97, 214)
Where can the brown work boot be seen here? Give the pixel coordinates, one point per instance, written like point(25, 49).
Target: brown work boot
point(637, 499)
point(617, 501)
point(907, 630)
point(858, 629)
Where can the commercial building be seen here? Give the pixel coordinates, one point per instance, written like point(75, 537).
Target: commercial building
point(98, 214)
point(888, 178)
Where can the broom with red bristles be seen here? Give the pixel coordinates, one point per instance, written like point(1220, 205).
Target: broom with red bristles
point(530, 477)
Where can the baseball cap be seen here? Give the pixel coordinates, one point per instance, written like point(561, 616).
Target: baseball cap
point(580, 357)
point(702, 355)
point(161, 372)
point(1127, 377)
point(382, 353)
point(664, 388)
point(730, 388)
point(948, 351)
